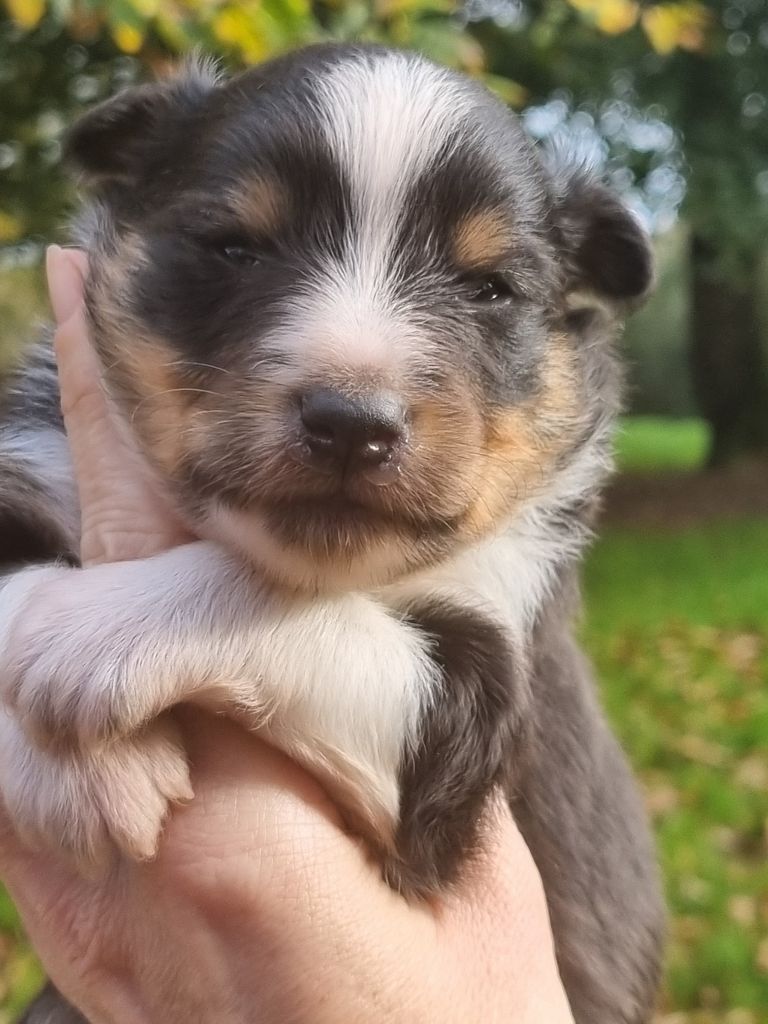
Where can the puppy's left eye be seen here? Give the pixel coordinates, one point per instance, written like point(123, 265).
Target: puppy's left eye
point(490, 289)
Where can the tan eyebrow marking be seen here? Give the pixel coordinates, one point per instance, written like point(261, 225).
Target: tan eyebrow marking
point(260, 203)
point(482, 238)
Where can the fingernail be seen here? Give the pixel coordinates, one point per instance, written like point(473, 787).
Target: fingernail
point(65, 282)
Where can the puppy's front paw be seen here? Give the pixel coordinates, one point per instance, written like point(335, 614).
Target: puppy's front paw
point(87, 803)
point(68, 668)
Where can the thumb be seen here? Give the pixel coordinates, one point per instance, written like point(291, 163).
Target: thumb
point(123, 514)
point(82, 400)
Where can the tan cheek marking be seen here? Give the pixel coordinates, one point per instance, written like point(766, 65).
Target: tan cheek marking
point(449, 435)
point(159, 401)
point(482, 238)
point(260, 203)
point(155, 398)
point(523, 444)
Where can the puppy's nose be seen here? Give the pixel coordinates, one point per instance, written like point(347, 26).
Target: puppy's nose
point(357, 432)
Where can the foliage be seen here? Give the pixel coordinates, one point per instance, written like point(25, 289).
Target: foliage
point(251, 30)
point(21, 306)
point(667, 26)
point(57, 58)
point(656, 341)
point(701, 67)
point(46, 79)
point(58, 55)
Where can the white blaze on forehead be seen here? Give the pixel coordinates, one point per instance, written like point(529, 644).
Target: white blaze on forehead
point(386, 119)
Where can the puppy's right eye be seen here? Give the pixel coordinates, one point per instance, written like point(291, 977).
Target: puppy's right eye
point(238, 252)
point(237, 249)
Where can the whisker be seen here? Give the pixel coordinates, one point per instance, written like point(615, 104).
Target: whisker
point(172, 391)
point(203, 366)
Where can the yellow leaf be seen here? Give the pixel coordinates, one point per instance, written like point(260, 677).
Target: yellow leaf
point(673, 26)
point(172, 32)
point(661, 28)
point(617, 17)
point(128, 38)
point(611, 16)
point(388, 8)
point(511, 92)
point(236, 27)
point(10, 227)
point(26, 13)
point(146, 8)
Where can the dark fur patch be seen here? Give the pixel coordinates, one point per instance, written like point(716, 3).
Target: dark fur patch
point(29, 530)
point(120, 138)
point(606, 249)
point(24, 541)
point(30, 393)
point(581, 816)
point(50, 1007)
point(469, 739)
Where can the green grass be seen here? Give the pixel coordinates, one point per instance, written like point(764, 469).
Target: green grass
point(710, 575)
point(677, 625)
point(655, 443)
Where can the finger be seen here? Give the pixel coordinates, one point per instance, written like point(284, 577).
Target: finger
point(231, 764)
point(66, 271)
point(34, 877)
point(82, 398)
point(123, 513)
point(500, 875)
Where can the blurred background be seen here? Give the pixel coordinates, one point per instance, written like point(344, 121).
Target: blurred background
point(670, 100)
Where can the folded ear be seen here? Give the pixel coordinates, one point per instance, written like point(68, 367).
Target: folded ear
point(119, 139)
point(604, 248)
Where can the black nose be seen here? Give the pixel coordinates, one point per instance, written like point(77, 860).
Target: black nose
point(361, 431)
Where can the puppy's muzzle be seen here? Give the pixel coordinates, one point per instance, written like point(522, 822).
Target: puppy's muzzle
point(361, 434)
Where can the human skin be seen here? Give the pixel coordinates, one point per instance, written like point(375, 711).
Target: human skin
point(260, 905)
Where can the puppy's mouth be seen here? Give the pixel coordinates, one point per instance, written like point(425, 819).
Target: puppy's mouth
point(320, 542)
point(340, 511)
point(334, 529)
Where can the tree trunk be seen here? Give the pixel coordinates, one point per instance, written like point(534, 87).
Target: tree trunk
point(729, 363)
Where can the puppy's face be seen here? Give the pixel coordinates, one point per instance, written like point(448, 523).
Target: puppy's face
point(331, 298)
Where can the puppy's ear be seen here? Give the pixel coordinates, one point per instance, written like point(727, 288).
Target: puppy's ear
point(604, 248)
point(117, 140)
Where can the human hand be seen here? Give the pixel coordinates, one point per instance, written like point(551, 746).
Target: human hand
point(259, 905)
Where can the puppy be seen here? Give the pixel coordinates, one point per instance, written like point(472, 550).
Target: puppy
point(362, 336)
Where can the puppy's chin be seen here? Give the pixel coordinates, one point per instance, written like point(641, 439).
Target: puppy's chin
point(378, 557)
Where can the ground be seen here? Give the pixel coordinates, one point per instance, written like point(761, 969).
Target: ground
point(676, 597)
point(676, 620)
point(677, 624)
